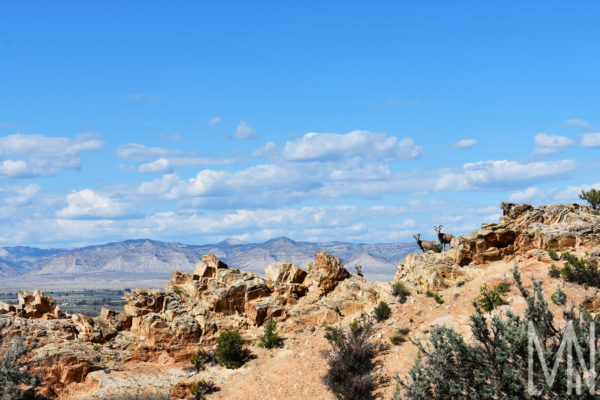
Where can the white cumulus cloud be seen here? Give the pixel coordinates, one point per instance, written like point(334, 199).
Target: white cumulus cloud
point(363, 144)
point(244, 131)
point(464, 144)
point(26, 156)
point(591, 139)
point(576, 122)
point(162, 166)
point(548, 145)
point(87, 204)
point(503, 174)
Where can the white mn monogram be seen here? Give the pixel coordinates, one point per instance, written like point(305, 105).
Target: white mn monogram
point(569, 342)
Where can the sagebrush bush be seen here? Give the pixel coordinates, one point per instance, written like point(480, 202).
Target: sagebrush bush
point(229, 349)
point(15, 381)
point(553, 255)
point(495, 364)
point(382, 311)
point(350, 361)
point(400, 290)
point(489, 299)
point(270, 338)
point(559, 297)
point(201, 358)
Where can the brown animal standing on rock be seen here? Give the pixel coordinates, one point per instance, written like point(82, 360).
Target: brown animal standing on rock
point(425, 245)
point(444, 238)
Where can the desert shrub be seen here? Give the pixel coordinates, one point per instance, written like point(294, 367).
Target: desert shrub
point(229, 349)
point(382, 311)
point(489, 299)
point(438, 299)
point(270, 338)
point(579, 271)
point(495, 364)
point(554, 272)
point(400, 290)
point(399, 336)
point(553, 255)
point(350, 360)
point(201, 388)
point(201, 358)
point(559, 297)
point(15, 381)
point(592, 196)
point(437, 248)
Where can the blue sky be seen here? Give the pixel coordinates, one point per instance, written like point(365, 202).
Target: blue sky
point(351, 121)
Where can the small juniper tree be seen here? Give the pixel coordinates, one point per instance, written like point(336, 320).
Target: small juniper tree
point(489, 299)
point(350, 374)
point(15, 381)
point(496, 365)
point(382, 311)
point(592, 196)
point(201, 388)
point(229, 348)
point(200, 359)
point(270, 338)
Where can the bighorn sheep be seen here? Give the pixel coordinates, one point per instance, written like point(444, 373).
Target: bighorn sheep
point(444, 238)
point(425, 245)
point(358, 270)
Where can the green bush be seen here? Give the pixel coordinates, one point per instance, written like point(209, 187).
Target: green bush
point(200, 359)
point(489, 299)
point(399, 336)
point(229, 349)
point(579, 271)
point(592, 196)
point(201, 388)
point(15, 381)
point(382, 311)
point(554, 272)
point(559, 297)
point(350, 362)
point(270, 338)
point(437, 248)
point(494, 364)
point(438, 299)
point(553, 255)
point(400, 290)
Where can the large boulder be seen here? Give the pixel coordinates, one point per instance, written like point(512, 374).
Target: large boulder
point(37, 305)
point(208, 266)
point(430, 271)
point(326, 272)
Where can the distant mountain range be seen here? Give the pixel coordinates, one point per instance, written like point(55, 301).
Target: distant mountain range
point(149, 263)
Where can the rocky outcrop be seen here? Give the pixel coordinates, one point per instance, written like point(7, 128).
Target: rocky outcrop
point(430, 271)
point(522, 228)
point(286, 281)
point(33, 305)
point(189, 312)
point(326, 272)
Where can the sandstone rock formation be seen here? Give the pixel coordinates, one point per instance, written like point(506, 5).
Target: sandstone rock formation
point(189, 312)
point(523, 228)
point(33, 305)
